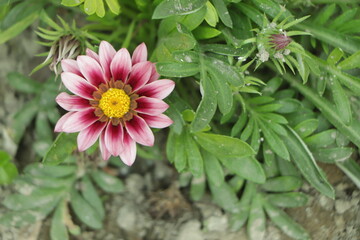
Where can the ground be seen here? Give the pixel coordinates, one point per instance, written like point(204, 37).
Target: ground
point(154, 207)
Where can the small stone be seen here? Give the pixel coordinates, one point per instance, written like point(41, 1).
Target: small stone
point(342, 206)
point(217, 223)
point(190, 231)
point(326, 203)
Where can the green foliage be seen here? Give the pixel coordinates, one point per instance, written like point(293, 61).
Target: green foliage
point(94, 6)
point(8, 170)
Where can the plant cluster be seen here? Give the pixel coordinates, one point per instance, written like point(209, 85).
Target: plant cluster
point(263, 92)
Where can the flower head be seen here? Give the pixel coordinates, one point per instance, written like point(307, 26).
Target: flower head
point(117, 99)
point(279, 41)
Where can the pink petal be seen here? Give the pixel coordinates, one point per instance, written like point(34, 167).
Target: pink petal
point(79, 121)
point(154, 74)
point(157, 89)
point(91, 70)
point(139, 75)
point(151, 106)
point(120, 66)
point(78, 85)
point(70, 65)
point(140, 131)
point(106, 54)
point(104, 152)
point(139, 54)
point(89, 135)
point(129, 154)
point(92, 54)
point(72, 102)
point(114, 139)
point(60, 123)
point(160, 121)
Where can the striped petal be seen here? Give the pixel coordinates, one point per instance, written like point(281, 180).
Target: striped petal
point(92, 54)
point(139, 54)
point(72, 102)
point(78, 85)
point(139, 75)
point(154, 74)
point(70, 65)
point(129, 154)
point(60, 123)
point(157, 89)
point(140, 131)
point(105, 154)
point(160, 121)
point(78, 121)
point(89, 135)
point(106, 54)
point(151, 106)
point(114, 139)
point(120, 66)
point(91, 70)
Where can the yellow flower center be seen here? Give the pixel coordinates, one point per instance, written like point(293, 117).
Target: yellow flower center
point(114, 103)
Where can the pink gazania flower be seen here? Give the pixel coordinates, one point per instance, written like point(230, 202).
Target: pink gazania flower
point(117, 99)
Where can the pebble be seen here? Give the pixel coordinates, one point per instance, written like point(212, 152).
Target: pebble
point(326, 203)
point(342, 206)
point(190, 231)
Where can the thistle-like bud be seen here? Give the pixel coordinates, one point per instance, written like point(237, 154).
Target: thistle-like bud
point(66, 47)
point(279, 41)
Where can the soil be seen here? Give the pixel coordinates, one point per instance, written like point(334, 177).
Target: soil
point(154, 207)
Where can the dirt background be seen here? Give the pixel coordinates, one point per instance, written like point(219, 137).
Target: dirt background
point(153, 206)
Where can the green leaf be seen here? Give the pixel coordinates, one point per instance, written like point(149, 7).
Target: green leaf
point(225, 197)
point(351, 169)
point(207, 107)
point(100, 10)
point(224, 71)
point(58, 229)
point(22, 83)
point(169, 8)
point(307, 127)
point(185, 69)
point(223, 12)
point(23, 118)
point(37, 198)
point(71, 3)
point(91, 196)
point(285, 223)
point(90, 6)
point(246, 167)
point(276, 144)
point(113, 6)
point(223, 49)
point(305, 162)
point(282, 184)
point(107, 182)
point(211, 16)
point(213, 169)
point(197, 188)
point(62, 147)
point(341, 100)
point(223, 146)
point(256, 225)
point(224, 94)
point(8, 170)
point(288, 200)
point(195, 161)
point(322, 139)
point(180, 158)
point(238, 219)
point(332, 37)
point(351, 62)
point(205, 32)
point(238, 126)
point(335, 56)
point(289, 105)
point(84, 211)
point(333, 155)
